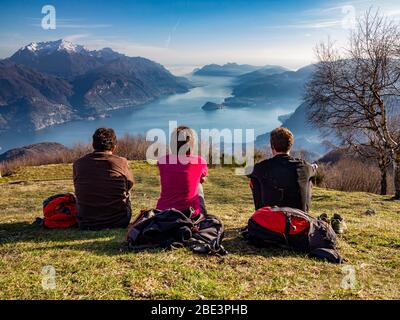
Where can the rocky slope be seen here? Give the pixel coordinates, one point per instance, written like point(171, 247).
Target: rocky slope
point(32, 100)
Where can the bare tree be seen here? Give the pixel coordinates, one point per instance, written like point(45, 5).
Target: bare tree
point(354, 92)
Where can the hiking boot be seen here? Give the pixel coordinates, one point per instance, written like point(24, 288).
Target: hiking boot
point(338, 224)
point(324, 217)
point(369, 212)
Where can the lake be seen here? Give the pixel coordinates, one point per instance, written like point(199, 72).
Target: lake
point(183, 108)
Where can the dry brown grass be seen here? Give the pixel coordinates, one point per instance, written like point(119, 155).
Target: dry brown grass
point(352, 175)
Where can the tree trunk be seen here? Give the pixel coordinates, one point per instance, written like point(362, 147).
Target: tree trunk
point(384, 185)
point(397, 175)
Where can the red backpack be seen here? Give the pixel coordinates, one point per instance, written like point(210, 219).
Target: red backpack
point(293, 228)
point(60, 211)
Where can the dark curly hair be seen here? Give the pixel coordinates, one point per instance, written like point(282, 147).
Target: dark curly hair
point(104, 139)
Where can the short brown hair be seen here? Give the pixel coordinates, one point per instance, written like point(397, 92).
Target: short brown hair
point(104, 139)
point(180, 137)
point(281, 139)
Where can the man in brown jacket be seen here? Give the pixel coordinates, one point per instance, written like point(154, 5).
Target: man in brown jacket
point(102, 183)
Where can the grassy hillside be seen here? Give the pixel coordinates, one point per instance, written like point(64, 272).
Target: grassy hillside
point(96, 265)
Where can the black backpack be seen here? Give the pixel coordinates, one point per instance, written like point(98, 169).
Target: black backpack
point(174, 228)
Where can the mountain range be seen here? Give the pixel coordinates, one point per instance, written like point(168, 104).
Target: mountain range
point(48, 83)
point(268, 86)
point(235, 70)
point(260, 87)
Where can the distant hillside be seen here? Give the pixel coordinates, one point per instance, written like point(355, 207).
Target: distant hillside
point(307, 137)
point(53, 82)
point(298, 122)
point(32, 151)
point(32, 100)
point(260, 73)
point(260, 86)
point(335, 156)
point(226, 70)
point(261, 89)
point(124, 82)
point(285, 117)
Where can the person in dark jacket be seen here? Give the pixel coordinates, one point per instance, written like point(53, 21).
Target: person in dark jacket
point(282, 181)
point(102, 183)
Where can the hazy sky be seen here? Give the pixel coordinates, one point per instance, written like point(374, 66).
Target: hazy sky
point(190, 32)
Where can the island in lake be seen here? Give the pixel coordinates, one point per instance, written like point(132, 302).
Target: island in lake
point(210, 106)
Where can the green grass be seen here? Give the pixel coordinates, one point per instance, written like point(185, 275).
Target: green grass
point(96, 265)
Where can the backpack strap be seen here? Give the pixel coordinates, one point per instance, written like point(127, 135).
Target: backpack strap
point(289, 226)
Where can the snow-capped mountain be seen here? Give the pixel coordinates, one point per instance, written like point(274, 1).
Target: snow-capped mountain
point(52, 46)
point(47, 83)
point(49, 47)
point(62, 58)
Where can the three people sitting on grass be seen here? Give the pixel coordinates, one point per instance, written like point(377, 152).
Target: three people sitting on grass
point(103, 180)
